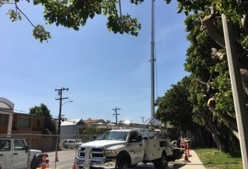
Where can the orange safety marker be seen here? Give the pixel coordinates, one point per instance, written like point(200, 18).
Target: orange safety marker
point(43, 166)
point(186, 159)
point(56, 157)
point(188, 149)
point(74, 164)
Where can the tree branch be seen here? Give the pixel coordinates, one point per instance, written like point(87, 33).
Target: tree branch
point(235, 133)
point(245, 23)
point(208, 22)
point(24, 14)
point(215, 55)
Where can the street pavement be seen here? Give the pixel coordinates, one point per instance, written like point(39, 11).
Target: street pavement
point(66, 160)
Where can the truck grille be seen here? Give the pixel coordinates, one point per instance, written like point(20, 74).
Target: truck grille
point(95, 152)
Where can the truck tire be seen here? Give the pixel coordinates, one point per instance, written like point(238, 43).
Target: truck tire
point(123, 164)
point(161, 163)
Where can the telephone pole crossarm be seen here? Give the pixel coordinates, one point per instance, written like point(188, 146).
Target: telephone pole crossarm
point(116, 114)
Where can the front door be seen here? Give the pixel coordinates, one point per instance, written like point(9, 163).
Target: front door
point(135, 148)
point(5, 154)
point(20, 155)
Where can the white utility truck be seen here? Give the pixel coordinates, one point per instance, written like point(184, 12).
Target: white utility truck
point(15, 154)
point(125, 148)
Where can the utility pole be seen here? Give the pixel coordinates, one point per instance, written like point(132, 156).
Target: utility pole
point(116, 114)
point(237, 88)
point(60, 91)
point(142, 117)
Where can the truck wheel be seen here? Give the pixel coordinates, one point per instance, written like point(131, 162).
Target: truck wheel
point(123, 164)
point(161, 163)
point(65, 146)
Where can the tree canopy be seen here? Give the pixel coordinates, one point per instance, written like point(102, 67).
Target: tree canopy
point(210, 88)
point(75, 13)
point(42, 110)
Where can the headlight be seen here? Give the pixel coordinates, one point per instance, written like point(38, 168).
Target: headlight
point(111, 152)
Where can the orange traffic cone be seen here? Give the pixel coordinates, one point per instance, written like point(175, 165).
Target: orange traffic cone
point(74, 164)
point(186, 159)
point(188, 149)
point(56, 157)
point(43, 166)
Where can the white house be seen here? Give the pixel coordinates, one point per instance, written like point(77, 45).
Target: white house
point(69, 128)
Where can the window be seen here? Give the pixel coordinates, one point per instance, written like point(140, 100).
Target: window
point(4, 145)
point(133, 136)
point(19, 145)
point(24, 122)
point(4, 118)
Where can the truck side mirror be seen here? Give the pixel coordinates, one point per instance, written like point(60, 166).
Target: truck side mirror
point(94, 138)
point(26, 148)
point(139, 138)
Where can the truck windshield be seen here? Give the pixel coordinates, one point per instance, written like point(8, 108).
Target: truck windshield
point(113, 135)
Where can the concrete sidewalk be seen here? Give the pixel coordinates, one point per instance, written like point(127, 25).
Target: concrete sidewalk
point(194, 162)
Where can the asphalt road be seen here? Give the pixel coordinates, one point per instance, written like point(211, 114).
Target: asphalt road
point(66, 160)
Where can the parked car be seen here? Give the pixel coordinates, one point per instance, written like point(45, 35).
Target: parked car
point(72, 143)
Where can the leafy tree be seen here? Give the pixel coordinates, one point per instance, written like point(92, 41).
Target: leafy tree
point(75, 13)
point(211, 93)
point(42, 110)
point(91, 130)
point(175, 107)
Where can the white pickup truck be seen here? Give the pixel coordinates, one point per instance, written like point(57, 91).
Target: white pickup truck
point(125, 148)
point(15, 154)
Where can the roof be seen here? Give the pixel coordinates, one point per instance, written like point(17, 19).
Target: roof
point(90, 121)
point(6, 104)
point(71, 122)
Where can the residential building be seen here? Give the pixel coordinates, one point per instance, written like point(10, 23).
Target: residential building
point(18, 123)
point(70, 128)
point(95, 122)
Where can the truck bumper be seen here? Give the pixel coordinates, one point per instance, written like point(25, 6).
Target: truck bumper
point(95, 163)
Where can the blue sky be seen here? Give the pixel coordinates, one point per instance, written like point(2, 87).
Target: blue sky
point(102, 70)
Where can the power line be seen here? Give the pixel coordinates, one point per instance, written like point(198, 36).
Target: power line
point(116, 114)
point(33, 79)
point(21, 89)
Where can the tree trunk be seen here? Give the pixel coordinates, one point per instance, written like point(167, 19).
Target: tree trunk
point(212, 130)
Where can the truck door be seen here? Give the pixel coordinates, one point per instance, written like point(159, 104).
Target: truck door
point(5, 154)
point(135, 147)
point(20, 154)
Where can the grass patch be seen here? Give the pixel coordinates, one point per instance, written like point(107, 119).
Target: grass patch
point(214, 159)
